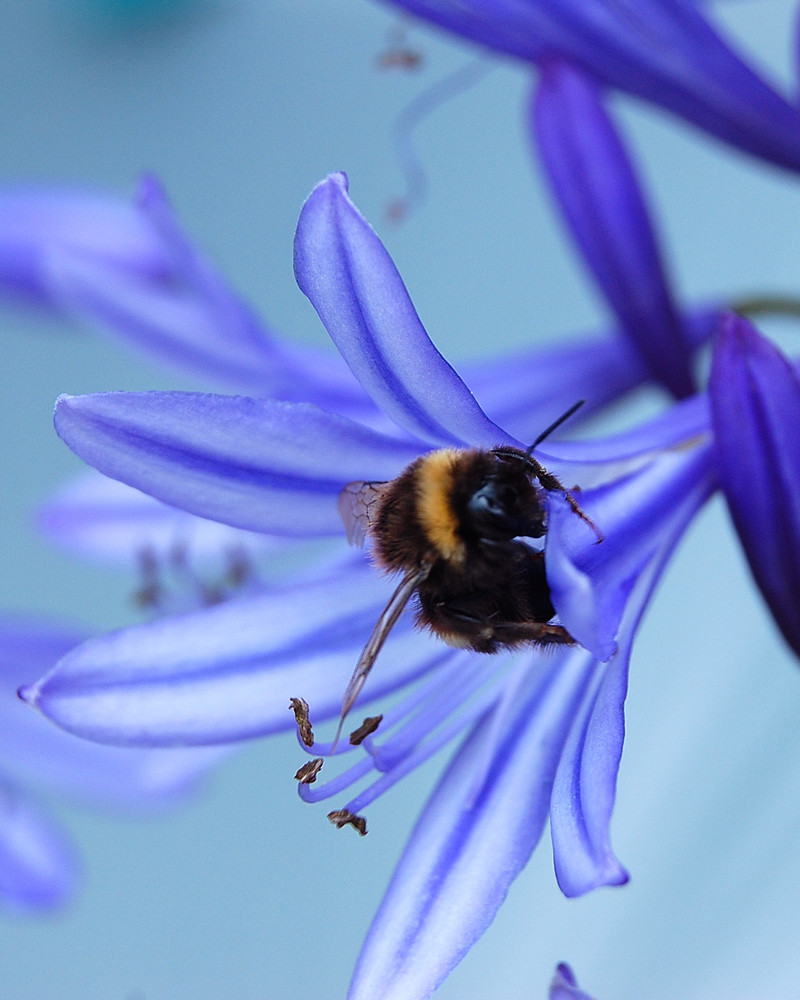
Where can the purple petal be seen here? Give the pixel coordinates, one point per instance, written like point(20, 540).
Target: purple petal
point(38, 867)
point(565, 986)
point(599, 460)
point(642, 516)
point(194, 320)
point(35, 752)
point(475, 835)
point(228, 672)
point(36, 223)
point(596, 186)
point(663, 51)
point(585, 788)
point(526, 390)
point(100, 518)
point(344, 269)
point(261, 465)
point(755, 405)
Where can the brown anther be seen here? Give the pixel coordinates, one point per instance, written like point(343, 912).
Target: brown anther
point(367, 727)
point(150, 594)
point(240, 569)
point(341, 817)
point(300, 708)
point(400, 58)
point(307, 774)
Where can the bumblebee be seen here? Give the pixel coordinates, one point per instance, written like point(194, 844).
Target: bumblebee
point(451, 523)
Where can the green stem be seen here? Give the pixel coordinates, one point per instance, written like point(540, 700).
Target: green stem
point(766, 305)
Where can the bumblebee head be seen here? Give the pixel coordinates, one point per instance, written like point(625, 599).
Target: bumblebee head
point(506, 504)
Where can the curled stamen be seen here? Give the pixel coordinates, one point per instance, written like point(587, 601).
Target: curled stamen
point(422, 752)
point(341, 817)
point(344, 780)
point(432, 98)
point(300, 708)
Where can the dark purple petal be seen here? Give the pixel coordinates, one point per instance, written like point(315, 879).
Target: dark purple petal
point(256, 464)
point(344, 269)
point(227, 673)
point(663, 51)
point(473, 838)
point(38, 867)
point(597, 189)
point(755, 406)
point(34, 752)
point(565, 986)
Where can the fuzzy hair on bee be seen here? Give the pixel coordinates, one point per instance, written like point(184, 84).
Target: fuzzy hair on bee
point(451, 523)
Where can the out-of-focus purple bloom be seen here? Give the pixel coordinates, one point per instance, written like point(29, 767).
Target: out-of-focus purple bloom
point(663, 51)
point(541, 736)
point(564, 985)
point(38, 865)
point(755, 405)
point(128, 269)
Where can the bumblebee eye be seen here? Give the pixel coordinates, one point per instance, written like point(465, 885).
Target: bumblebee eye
point(486, 501)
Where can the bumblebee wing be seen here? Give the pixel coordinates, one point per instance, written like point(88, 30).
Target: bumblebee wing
point(358, 506)
point(383, 627)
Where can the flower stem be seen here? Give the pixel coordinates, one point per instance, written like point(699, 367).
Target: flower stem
point(765, 305)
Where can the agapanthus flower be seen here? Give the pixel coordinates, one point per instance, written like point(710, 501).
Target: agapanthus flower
point(550, 725)
point(541, 735)
point(39, 866)
point(663, 51)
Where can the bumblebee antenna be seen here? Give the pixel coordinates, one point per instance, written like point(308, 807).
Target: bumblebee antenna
point(556, 423)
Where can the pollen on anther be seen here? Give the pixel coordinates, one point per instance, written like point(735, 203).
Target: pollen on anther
point(300, 708)
point(307, 774)
point(341, 817)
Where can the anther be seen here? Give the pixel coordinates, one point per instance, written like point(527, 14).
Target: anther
point(307, 774)
point(341, 817)
point(367, 727)
point(300, 708)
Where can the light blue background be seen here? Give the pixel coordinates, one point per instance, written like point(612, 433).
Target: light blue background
point(245, 894)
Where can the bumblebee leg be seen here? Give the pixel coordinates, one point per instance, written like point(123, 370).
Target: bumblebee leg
point(538, 633)
point(483, 634)
point(553, 484)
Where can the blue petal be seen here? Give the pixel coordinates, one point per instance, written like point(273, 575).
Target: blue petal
point(585, 788)
point(344, 269)
point(755, 405)
point(565, 986)
point(473, 838)
point(100, 518)
point(663, 51)
point(36, 223)
point(38, 867)
point(526, 390)
point(642, 516)
point(227, 673)
point(601, 200)
point(261, 465)
point(36, 753)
